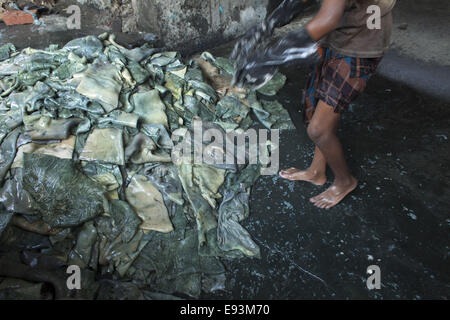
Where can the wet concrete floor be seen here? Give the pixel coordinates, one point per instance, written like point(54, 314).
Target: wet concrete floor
point(396, 142)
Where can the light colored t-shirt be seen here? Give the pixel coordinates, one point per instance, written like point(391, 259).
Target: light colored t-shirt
point(354, 38)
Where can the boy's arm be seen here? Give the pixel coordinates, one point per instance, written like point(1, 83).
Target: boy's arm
point(299, 44)
point(260, 65)
point(327, 19)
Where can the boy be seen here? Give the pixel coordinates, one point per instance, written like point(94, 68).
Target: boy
point(350, 49)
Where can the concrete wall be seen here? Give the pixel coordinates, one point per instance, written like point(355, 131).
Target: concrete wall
point(187, 25)
point(194, 24)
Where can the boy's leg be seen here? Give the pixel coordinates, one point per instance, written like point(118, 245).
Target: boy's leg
point(316, 171)
point(322, 130)
point(314, 174)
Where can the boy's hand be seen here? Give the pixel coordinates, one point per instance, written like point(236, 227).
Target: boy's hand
point(255, 63)
point(260, 33)
point(255, 36)
point(253, 77)
point(256, 69)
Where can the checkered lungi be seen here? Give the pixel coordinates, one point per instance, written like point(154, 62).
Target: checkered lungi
point(337, 80)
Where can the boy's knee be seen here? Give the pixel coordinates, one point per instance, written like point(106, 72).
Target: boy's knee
point(316, 132)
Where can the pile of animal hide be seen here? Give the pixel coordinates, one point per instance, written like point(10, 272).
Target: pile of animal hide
point(87, 177)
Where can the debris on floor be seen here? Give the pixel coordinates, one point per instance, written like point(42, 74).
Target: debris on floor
point(13, 17)
point(87, 177)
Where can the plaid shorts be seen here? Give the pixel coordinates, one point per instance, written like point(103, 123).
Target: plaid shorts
point(337, 80)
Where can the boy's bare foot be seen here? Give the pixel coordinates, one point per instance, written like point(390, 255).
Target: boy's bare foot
point(294, 174)
point(334, 194)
